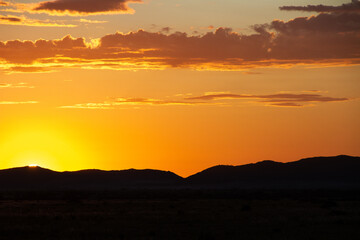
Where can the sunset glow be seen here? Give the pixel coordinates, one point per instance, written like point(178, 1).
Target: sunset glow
point(177, 85)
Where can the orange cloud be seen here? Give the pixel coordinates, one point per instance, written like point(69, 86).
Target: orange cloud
point(322, 40)
point(84, 7)
point(3, 3)
point(354, 6)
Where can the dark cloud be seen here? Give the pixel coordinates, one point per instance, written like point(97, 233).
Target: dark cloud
point(85, 7)
point(2, 3)
point(321, 23)
point(281, 99)
point(10, 19)
point(354, 6)
point(325, 36)
point(287, 104)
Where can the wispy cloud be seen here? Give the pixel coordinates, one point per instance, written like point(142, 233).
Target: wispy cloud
point(132, 102)
point(15, 85)
point(219, 99)
point(82, 20)
point(16, 68)
point(17, 102)
point(279, 99)
point(90, 106)
point(24, 21)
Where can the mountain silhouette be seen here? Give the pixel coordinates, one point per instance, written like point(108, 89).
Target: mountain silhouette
point(318, 172)
point(41, 178)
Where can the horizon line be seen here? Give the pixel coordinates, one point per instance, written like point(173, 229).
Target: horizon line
point(34, 166)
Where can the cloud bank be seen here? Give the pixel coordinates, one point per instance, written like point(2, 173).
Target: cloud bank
point(327, 39)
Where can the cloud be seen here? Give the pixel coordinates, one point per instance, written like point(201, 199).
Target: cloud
point(23, 21)
point(17, 103)
point(165, 29)
point(84, 7)
point(146, 101)
point(26, 52)
point(91, 21)
point(286, 104)
point(15, 85)
point(26, 69)
point(322, 23)
point(9, 19)
point(325, 36)
point(280, 99)
point(354, 6)
point(132, 102)
point(320, 41)
point(219, 99)
point(90, 106)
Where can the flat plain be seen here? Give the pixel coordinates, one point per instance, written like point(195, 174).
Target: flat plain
point(181, 214)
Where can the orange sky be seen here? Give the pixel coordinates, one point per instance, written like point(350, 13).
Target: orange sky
point(177, 85)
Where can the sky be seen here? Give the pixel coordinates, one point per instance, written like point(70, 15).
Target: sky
point(177, 85)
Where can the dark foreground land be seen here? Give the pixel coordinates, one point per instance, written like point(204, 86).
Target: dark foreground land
point(181, 214)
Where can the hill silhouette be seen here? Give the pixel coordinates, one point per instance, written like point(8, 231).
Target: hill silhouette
point(318, 172)
point(93, 179)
